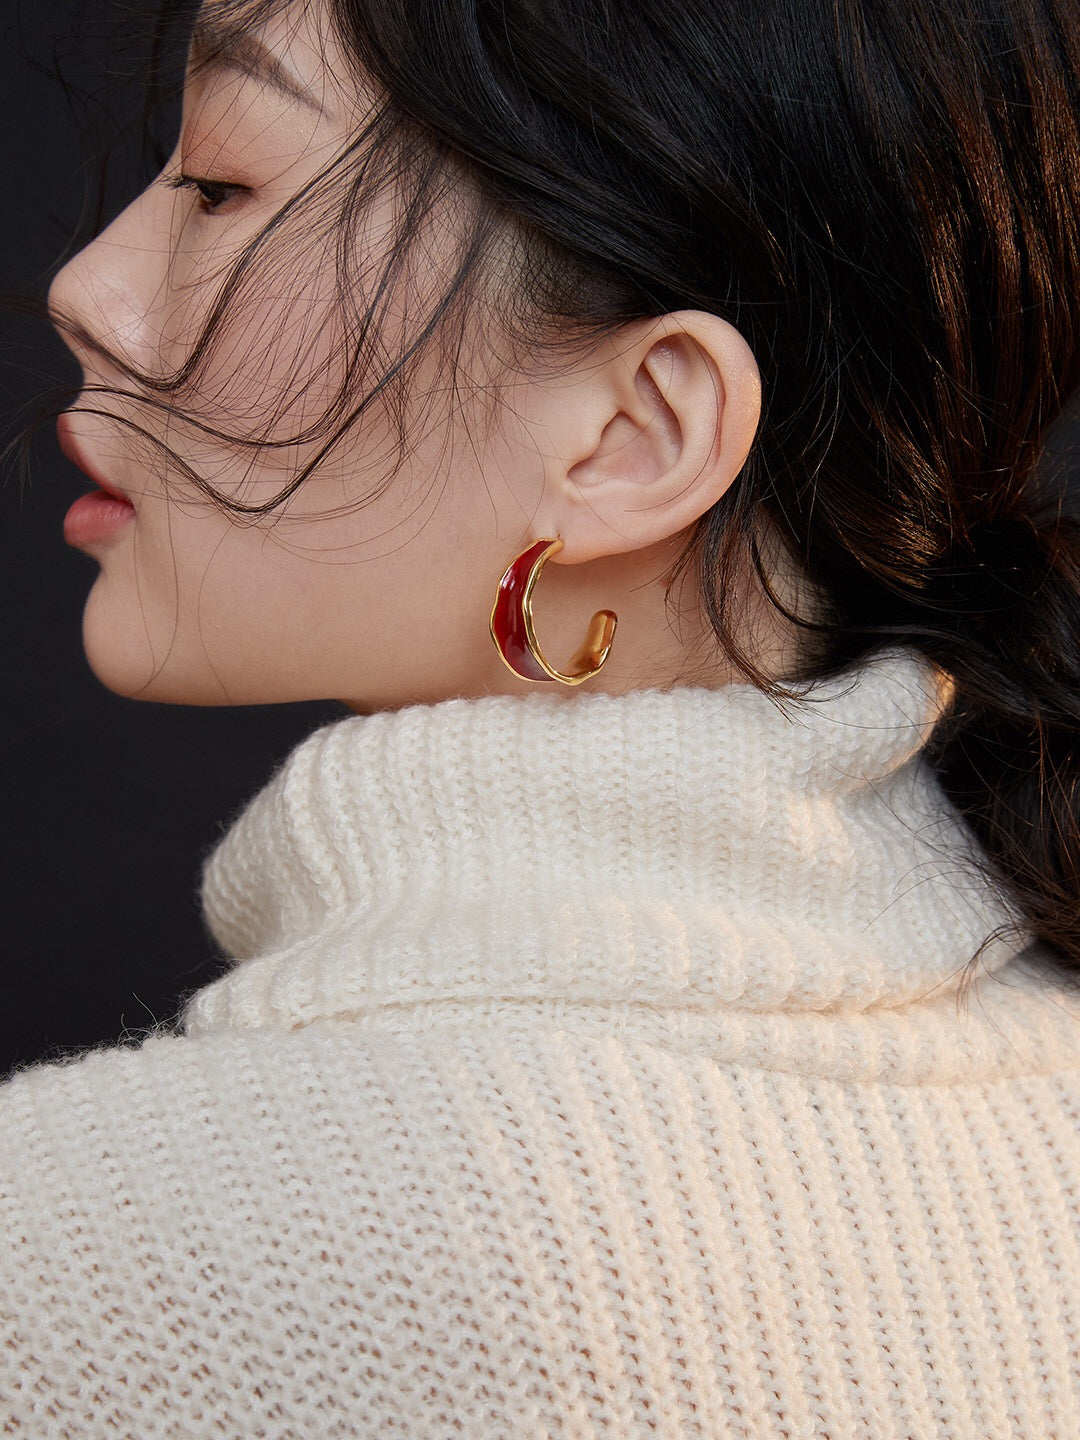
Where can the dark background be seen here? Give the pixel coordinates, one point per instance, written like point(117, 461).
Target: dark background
point(108, 805)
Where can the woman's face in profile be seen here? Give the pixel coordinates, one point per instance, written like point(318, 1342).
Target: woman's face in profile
point(373, 580)
point(315, 600)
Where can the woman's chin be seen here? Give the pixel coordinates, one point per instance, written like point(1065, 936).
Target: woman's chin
point(126, 661)
point(161, 687)
point(167, 671)
point(132, 678)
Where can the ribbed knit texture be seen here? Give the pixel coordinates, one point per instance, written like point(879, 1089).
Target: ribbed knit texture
point(596, 1068)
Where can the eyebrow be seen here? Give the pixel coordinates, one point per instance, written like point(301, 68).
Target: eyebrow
point(218, 47)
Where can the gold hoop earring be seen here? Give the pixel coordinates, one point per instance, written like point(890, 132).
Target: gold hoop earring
point(512, 623)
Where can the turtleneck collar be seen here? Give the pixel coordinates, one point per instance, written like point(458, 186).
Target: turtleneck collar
point(685, 851)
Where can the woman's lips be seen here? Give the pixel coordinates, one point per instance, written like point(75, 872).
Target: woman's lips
point(104, 511)
point(71, 447)
point(96, 517)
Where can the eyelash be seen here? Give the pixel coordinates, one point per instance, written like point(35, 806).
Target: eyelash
point(212, 193)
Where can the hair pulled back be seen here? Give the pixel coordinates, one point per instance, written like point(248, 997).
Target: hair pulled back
point(884, 198)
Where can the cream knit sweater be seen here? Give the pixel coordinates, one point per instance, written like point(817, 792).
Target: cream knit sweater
point(593, 1068)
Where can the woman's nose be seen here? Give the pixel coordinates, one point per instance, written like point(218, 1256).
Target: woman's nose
point(104, 300)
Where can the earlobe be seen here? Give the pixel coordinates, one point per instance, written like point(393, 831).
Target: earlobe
point(666, 422)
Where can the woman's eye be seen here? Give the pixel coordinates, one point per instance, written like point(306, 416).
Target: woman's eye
point(212, 193)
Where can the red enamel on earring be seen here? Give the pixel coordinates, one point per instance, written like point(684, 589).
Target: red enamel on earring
point(512, 624)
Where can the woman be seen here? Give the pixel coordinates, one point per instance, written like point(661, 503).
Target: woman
point(679, 1039)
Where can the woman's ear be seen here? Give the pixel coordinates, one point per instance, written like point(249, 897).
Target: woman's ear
point(646, 434)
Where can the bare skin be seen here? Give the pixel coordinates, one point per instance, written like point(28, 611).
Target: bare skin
point(386, 603)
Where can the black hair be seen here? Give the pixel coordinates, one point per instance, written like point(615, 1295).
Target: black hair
point(884, 198)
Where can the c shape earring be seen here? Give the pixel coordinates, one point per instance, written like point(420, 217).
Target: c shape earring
point(512, 623)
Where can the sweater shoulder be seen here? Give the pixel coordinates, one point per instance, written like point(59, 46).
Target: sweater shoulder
point(322, 1232)
point(243, 1227)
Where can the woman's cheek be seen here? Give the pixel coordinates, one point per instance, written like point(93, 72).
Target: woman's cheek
point(278, 359)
